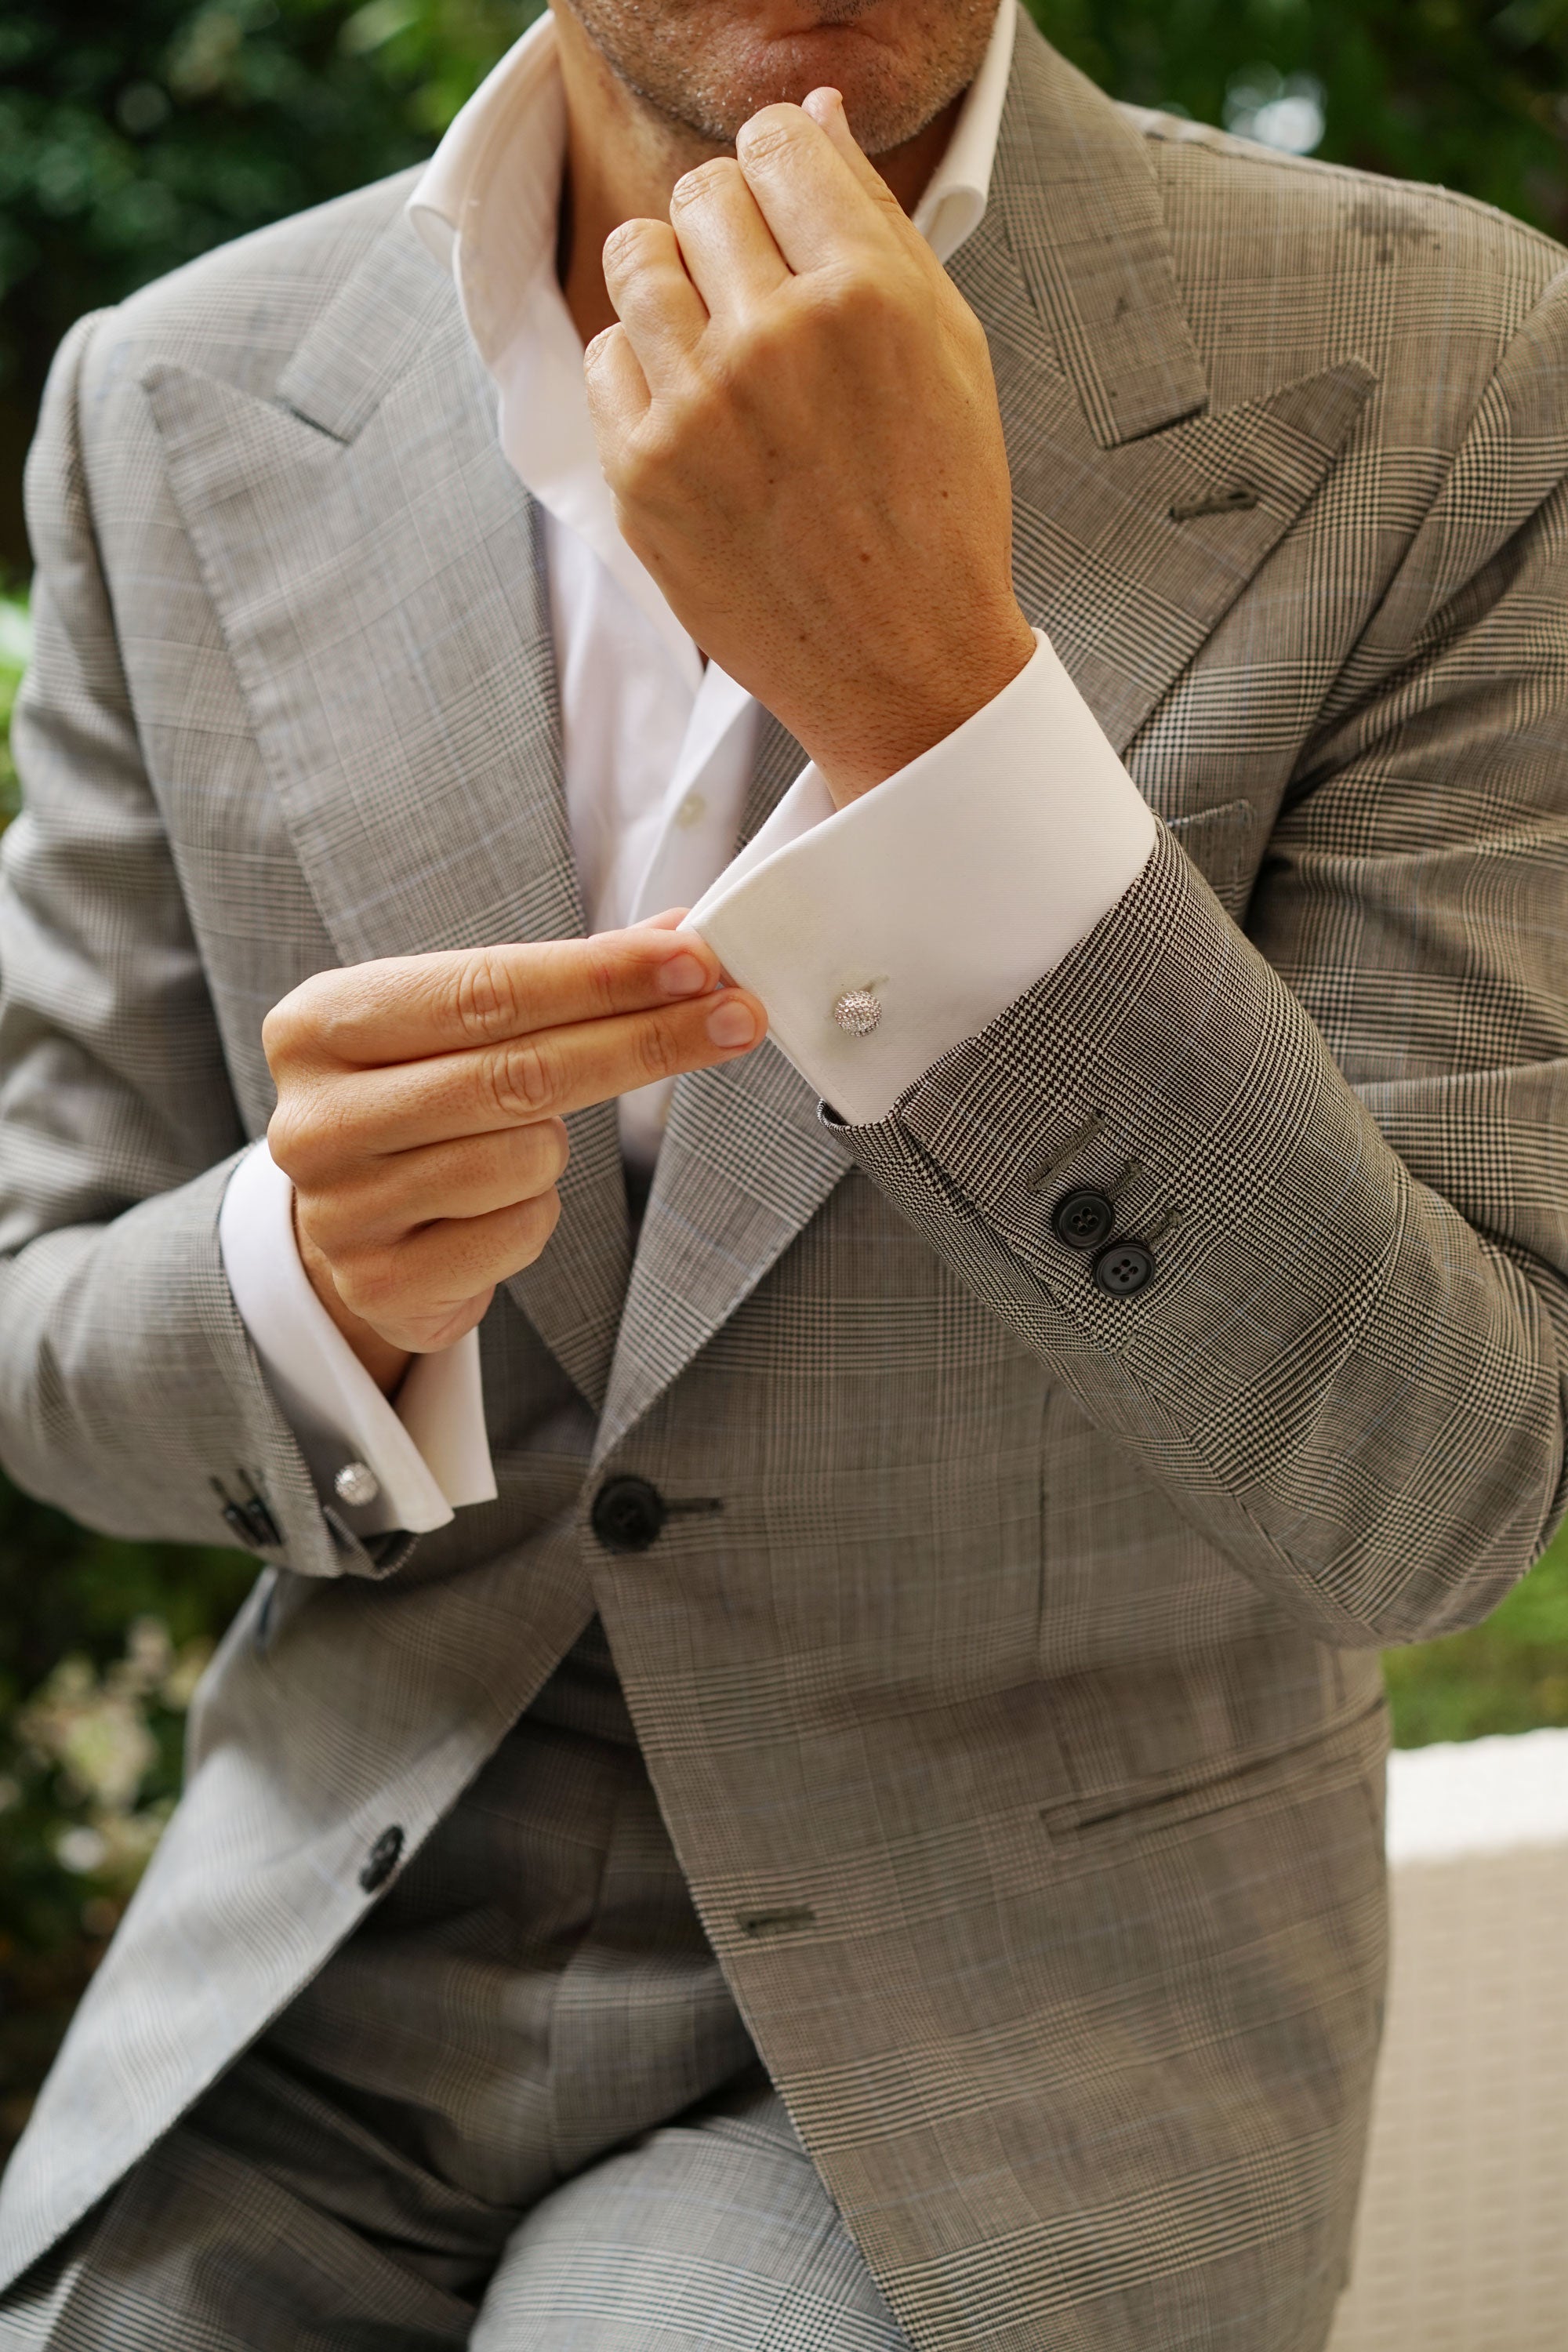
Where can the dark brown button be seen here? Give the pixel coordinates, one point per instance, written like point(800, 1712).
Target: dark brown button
point(1084, 1218)
point(1124, 1269)
point(383, 1859)
point(628, 1513)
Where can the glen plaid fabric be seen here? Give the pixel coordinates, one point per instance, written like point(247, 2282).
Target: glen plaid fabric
point(517, 2108)
point(1016, 1718)
point(712, 2234)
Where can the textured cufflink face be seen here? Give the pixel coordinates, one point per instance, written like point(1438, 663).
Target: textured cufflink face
point(356, 1484)
point(858, 1012)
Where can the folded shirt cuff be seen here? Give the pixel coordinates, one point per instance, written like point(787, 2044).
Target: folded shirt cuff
point(428, 1452)
point(881, 935)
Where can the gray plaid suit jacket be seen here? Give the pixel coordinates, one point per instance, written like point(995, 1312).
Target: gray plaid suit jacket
point(1017, 1717)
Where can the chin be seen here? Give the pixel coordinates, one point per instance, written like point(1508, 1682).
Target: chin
point(709, 65)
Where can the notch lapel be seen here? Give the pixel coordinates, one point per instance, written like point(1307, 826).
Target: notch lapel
point(377, 570)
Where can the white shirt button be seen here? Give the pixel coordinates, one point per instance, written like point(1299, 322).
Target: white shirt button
point(356, 1485)
point(858, 1012)
point(692, 811)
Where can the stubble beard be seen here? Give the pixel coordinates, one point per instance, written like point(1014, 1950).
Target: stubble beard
point(665, 53)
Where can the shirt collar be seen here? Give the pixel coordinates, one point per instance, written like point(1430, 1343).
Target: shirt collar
point(487, 203)
point(954, 204)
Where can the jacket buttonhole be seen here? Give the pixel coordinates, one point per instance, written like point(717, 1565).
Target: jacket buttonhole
point(776, 1923)
point(1125, 1182)
point(1241, 500)
point(1078, 1141)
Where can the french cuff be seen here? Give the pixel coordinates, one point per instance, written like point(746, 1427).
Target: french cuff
point(426, 1456)
point(881, 935)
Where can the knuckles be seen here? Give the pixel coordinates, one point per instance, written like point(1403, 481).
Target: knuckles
point(853, 300)
point(485, 996)
point(720, 176)
point(554, 1147)
point(298, 1138)
point(633, 244)
point(773, 131)
point(639, 473)
point(657, 1052)
point(519, 1080)
point(300, 1025)
point(540, 1223)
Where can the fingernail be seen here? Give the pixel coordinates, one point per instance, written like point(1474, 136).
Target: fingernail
point(732, 1023)
point(683, 975)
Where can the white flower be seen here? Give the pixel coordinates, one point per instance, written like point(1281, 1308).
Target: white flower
point(99, 1736)
point(81, 1849)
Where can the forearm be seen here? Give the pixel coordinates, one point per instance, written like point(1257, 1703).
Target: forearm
point(1329, 1372)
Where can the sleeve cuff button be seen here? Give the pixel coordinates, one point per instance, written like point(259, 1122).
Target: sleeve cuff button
point(1124, 1269)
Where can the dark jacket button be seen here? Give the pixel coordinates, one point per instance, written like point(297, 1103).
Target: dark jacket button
point(628, 1513)
point(1083, 1218)
point(1123, 1269)
point(383, 1859)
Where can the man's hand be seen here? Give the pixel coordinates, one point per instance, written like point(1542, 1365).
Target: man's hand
point(421, 1102)
point(797, 418)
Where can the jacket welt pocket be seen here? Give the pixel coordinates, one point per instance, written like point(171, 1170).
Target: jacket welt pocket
point(1337, 1758)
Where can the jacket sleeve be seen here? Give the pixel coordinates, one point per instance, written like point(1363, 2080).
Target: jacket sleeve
point(128, 1393)
point(1342, 1135)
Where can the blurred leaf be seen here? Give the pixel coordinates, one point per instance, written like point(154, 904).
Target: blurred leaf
point(15, 644)
point(1509, 1675)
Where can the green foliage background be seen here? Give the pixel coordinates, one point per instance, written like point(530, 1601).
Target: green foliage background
point(136, 133)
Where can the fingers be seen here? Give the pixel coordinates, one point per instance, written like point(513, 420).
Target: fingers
point(547, 1074)
point(464, 1255)
point(825, 107)
point(618, 396)
point(655, 299)
point(725, 243)
point(407, 1008)
point(384, 1198)
point(817, 202)
point(425, 1290)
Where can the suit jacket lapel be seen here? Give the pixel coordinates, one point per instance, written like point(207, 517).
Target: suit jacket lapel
point(746, 1165)
point(1138, 518)
point(1140, 515)
point(377, 572)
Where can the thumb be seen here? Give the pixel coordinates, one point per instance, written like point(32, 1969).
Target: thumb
point(825, 108)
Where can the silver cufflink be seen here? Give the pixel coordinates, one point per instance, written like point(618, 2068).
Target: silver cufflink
point(356, 1485)
point(858, 1012)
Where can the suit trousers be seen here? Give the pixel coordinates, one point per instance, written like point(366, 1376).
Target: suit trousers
point(518, 2110)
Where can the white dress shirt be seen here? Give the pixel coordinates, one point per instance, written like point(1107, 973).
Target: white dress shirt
point(944, 893)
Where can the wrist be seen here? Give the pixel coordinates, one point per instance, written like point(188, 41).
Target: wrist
point(896, 721)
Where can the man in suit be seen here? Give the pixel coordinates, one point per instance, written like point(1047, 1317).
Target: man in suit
point(805, 1765)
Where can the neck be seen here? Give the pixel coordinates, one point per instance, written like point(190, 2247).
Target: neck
point(623, 158)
